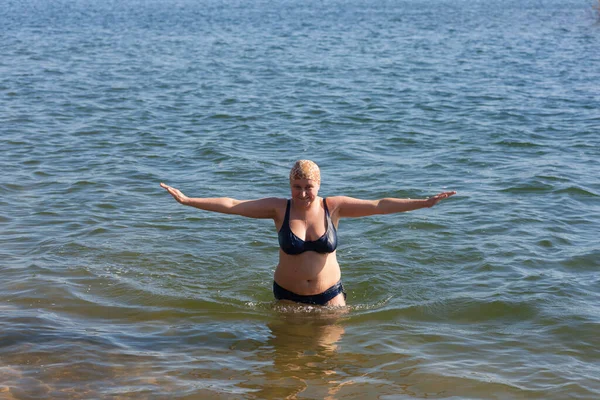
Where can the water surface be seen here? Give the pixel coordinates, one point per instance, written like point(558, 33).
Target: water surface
point(110, 289)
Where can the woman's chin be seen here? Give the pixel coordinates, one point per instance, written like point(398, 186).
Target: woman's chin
point(304, 202)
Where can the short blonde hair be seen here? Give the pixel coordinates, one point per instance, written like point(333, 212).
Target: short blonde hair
point(305, 169)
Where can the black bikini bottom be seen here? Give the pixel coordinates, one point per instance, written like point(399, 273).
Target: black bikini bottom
point(319, 299)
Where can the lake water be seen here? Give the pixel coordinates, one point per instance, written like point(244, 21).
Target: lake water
point(110, 289)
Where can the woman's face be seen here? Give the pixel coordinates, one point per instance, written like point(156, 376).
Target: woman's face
point(304, 191)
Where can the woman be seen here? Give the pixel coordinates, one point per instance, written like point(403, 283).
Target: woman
point(308, 271)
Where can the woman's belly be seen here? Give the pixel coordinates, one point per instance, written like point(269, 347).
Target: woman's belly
point(308, 273)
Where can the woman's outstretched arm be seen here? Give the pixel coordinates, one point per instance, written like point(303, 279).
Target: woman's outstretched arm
point(351, 207)
point(261, 208)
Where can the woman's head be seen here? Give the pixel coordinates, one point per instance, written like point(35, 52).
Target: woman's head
point(305, 181)
point(306, 169)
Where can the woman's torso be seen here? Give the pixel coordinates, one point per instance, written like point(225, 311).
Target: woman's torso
point(309, 272)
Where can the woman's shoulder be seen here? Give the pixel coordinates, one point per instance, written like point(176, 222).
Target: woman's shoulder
point(278, 203)
point(346, 206)
point(274, 201)
point(334, 201)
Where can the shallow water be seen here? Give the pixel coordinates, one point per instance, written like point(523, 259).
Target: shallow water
point(110, 289)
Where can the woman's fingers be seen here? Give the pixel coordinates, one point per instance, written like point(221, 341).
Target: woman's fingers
point(445, 195)
point(169, 189)
point(176, 193)
point(433, 200)
point(172, 191)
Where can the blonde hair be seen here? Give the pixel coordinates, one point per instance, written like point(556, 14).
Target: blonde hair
point(305, 169)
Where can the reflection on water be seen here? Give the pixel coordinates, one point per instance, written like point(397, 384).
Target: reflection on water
point(288, 352)
point(292, 352)
point(303, 346)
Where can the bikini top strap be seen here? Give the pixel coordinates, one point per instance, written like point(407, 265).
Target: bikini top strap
point(287, 213)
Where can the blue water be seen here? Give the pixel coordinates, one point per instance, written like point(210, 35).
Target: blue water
point(110, 289)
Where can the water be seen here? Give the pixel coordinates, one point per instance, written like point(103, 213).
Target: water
point(110, 289)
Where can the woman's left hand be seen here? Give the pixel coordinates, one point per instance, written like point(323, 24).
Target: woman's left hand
point(432, 201)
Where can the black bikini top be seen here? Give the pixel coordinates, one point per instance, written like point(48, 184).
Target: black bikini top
point(293, 245)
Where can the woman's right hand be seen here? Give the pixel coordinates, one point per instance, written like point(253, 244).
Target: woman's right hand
point(176, 193)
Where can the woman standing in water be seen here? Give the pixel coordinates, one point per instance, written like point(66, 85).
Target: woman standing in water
point(308, 271)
